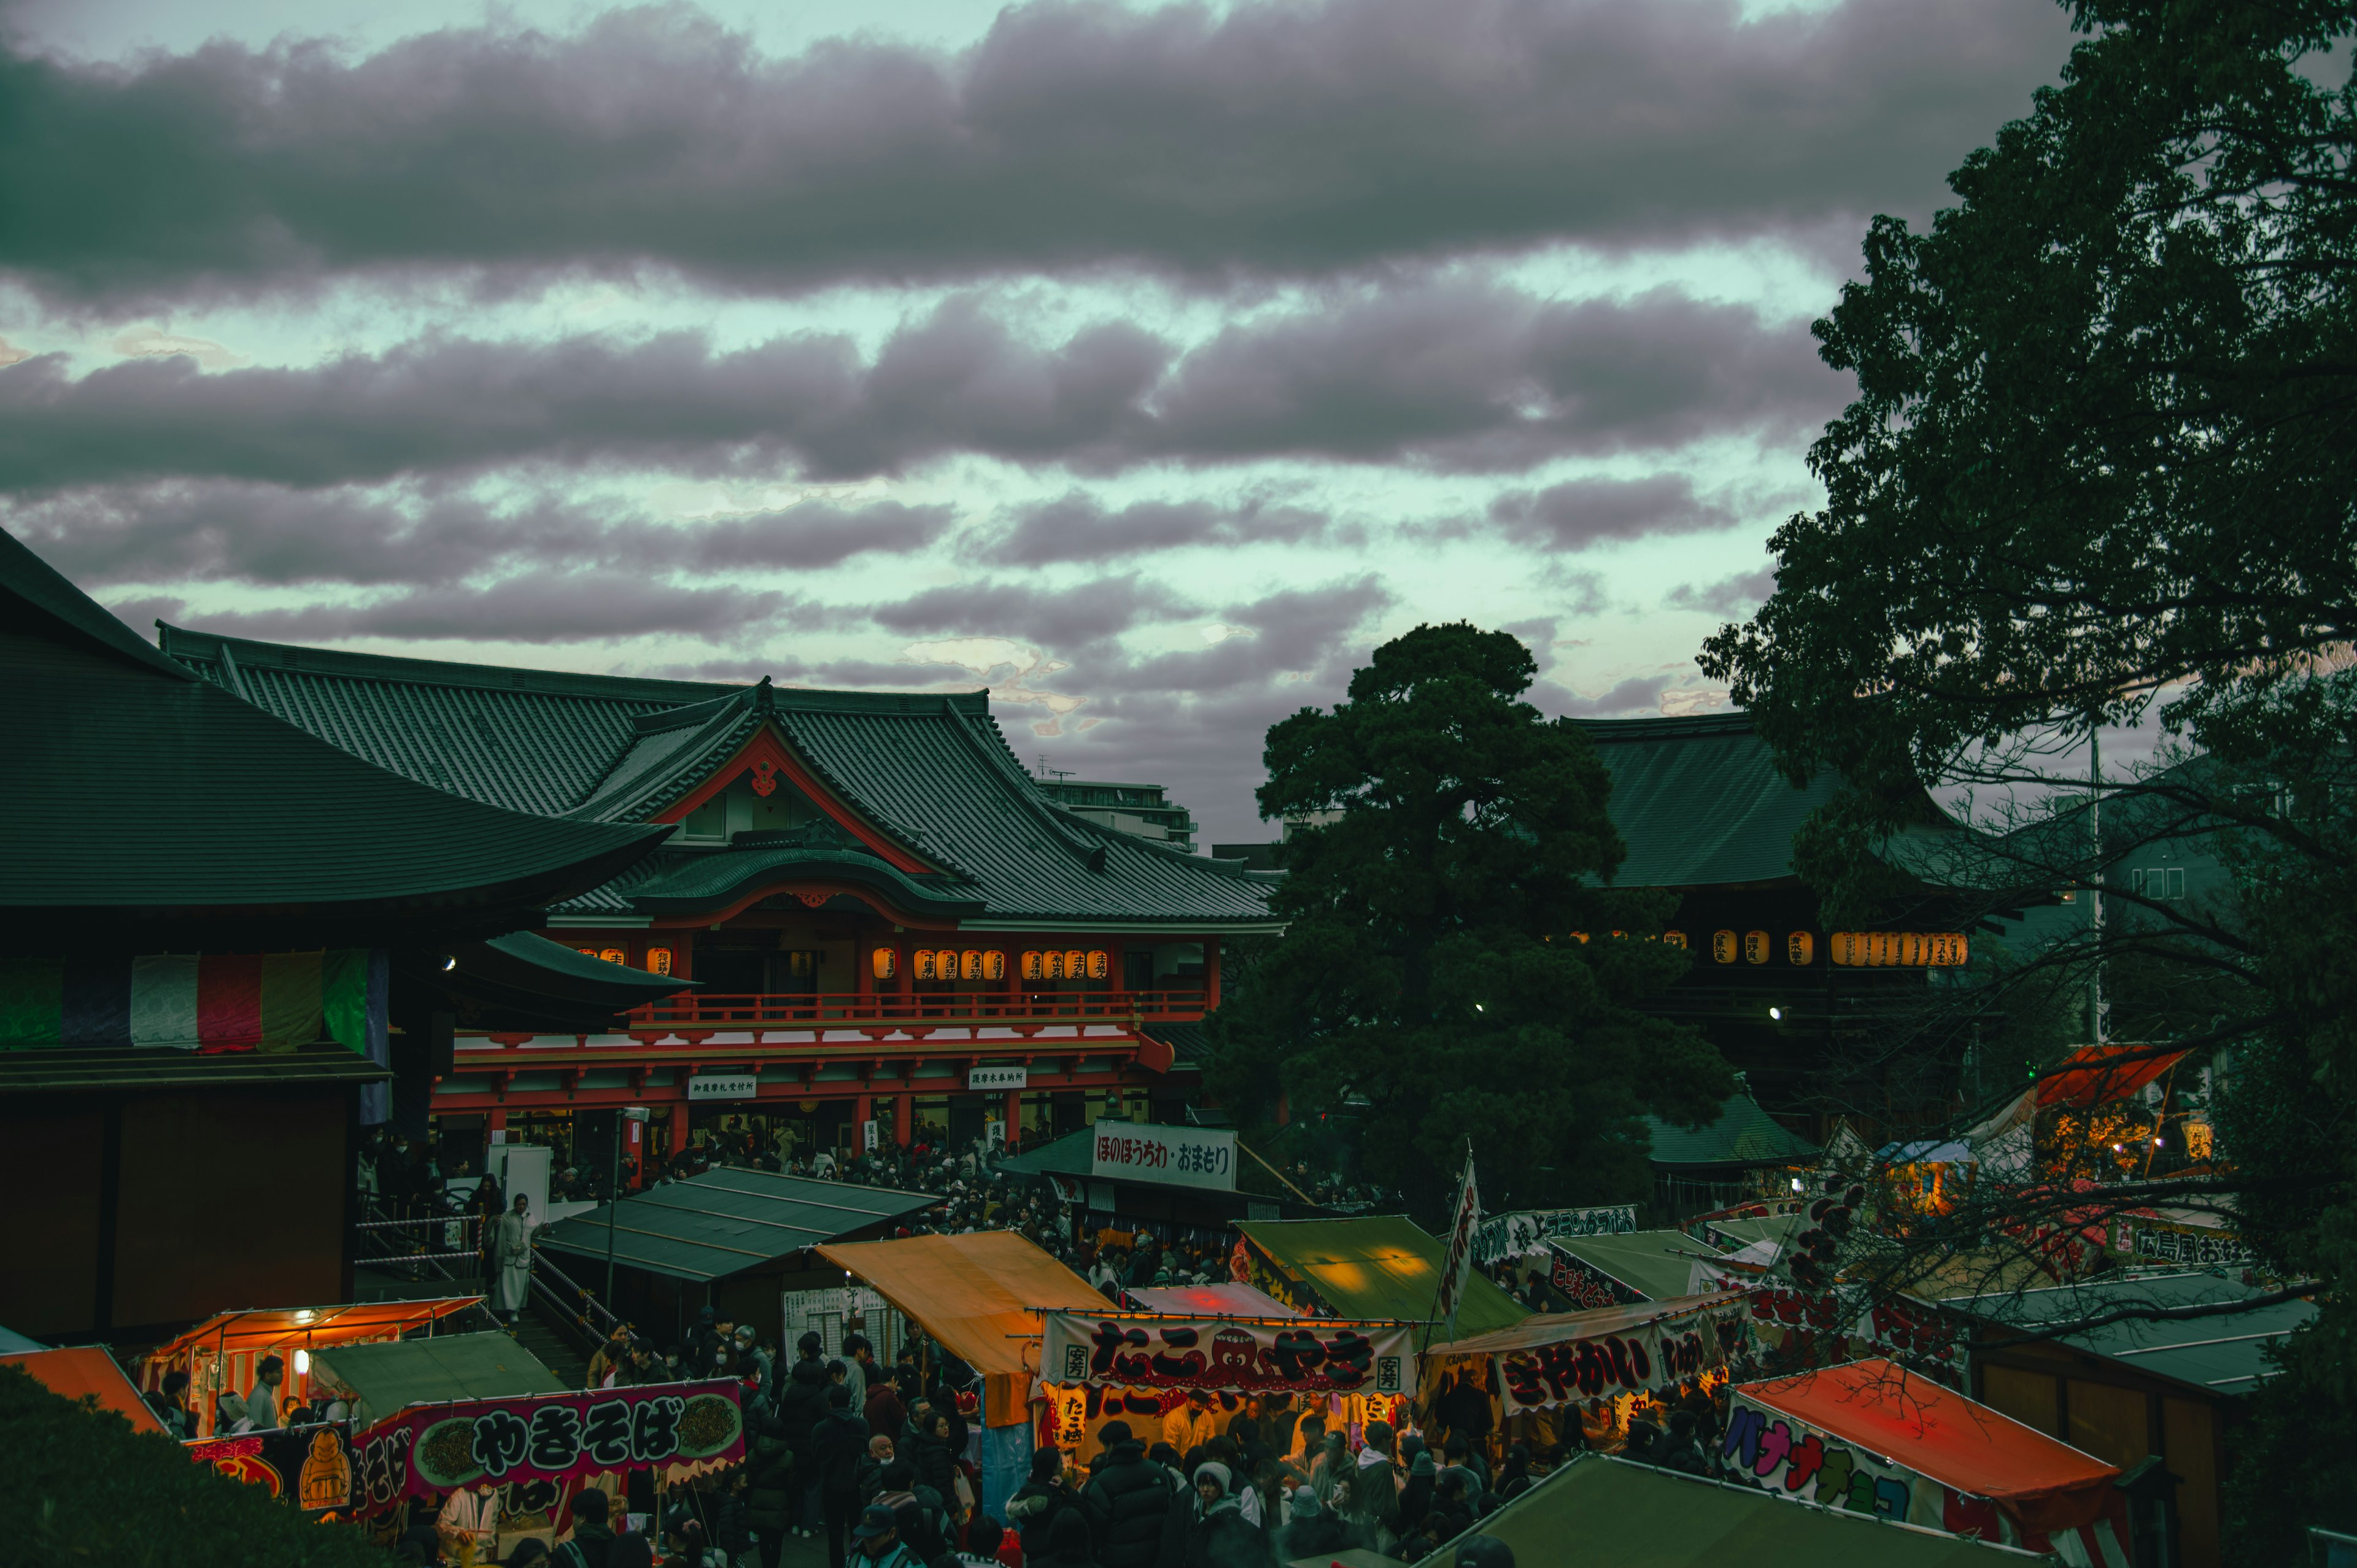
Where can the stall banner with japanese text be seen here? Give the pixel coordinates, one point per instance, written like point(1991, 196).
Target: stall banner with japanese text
point(1584, 1284)
point(1649, 1356)
point(1522, 1232)
point(1308, 1356)
point(1778, 1454)
point(1172, 1157)
point(307, 1468)
point(427, 1450)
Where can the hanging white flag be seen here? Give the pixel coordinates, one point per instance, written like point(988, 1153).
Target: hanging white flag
point(1462, 1224)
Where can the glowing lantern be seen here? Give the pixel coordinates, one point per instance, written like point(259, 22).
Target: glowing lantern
point(615, 955)
point(1801, 949)
point(1722, 947)
point(883, 963)
point(1051, 966)
point(1034, 966)
point(1579, 937)
point(924, 962)
point(1676, 938)
point(1755, 947)
point(1844, 949)
point(1076, 964)
point(1100, 964)
point(993, 965)
point(658, 961)
point(970, 964)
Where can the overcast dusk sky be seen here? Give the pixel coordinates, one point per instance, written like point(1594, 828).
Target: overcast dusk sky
point(1146, 365)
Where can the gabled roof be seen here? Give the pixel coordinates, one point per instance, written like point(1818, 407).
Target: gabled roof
point(929, 773)
point(728, 1220)
point(1699, 800)
point(1743, 1134)
point(135, 793)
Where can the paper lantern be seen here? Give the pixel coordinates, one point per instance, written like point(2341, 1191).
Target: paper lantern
point(1076, 964)
point(923, 958)
point(1722, 947)
point(658, 961)
point(883, 963)
point(1755, 947)
point(1034, 966)
point(1579, 937)
point(613, 955)
point(1801, 949)
point(970, 964)
point(1100, 964)
point(993, 965)
point(1676, 938)
point(587, 952)
point(1051, 966)
point(1842, 948)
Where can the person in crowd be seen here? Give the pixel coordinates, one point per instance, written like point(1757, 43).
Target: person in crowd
point(858, 1366)
point(838, 1440)
point(1044, 1497)
point(1464, 1456)
point(528, 1551)
point(1485, 1551)
point(1127, 1502)
point(878, 1534)
point(921, 1515)
point(1515, 1479)
point(469, 1519)
point(802, 1404)
point(262, 1401)
point(591, 1540)
point(170, 1403)
point(1313, 1531)
point(756, 1359)
point(1376, 1485)
point(695, 1351)
point(770, 1494)
point(1216, 1535)
point(982, 1535)
point(1190, 1425)
point(870, 1479)
point(606, 1364)
point(511, 1254)
point(884, 1410)
point(1416, 1496)
point(631, 1550)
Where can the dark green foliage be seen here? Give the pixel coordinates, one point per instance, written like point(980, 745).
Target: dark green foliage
point(1429, 970)
point(2103, 463)
point(84, 1487)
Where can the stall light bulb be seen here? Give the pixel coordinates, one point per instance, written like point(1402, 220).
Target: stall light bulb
point(1777, 1014)
point(449, 963)
point(2117, 1149)
point(2156, 1143)
point(1796, 1184)
point(301, 1363)
point(1478, 1007)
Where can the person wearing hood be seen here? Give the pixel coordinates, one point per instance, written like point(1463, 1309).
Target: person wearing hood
point(1217, 1535)
point(1041, 1500)
point(1127, 1502)
point(1416, 1498)
point(1313, 1532)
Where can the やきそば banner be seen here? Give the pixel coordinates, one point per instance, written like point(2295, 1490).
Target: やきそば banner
point(1305, 1357)
point(1170, 1157)
point(427, 1450)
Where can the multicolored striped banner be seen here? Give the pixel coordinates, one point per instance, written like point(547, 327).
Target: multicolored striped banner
point(194, 1001)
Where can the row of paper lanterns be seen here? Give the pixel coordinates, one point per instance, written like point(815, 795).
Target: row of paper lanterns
point(989, 963)
point(1848, 949)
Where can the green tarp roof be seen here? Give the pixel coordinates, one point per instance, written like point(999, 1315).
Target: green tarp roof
point(929, 772)
point(1633, 1517)
point(1742, 1136)
point(225, 809)
point(1698, 800)
point(396, 1373)
point(1384, 1266)
point(728, 1220)
point(1656, 1264)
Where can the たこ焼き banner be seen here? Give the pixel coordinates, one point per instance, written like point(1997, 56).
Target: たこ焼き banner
point(1306, 1357)
point(431, 1449)
point(1644, 1356)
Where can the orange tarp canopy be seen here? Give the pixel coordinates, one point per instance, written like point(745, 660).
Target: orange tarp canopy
point(980, 1295)
point(88, 1370)
point(1556, 1328)
point(2096, 1075)
point(265, 1327)
point(1936, 1432)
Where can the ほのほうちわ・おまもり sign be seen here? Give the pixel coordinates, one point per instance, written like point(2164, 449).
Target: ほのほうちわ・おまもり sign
point(430, 1449)
point(1298, 1356)
point(1171, 1156)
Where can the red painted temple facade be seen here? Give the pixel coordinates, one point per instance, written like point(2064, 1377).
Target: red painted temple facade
point(887, 920)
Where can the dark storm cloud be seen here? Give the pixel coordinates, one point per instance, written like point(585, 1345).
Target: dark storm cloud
point(572, 607)
point(1580, 512)
point(1080, 528)
point(232, 532)
point(1286, 139)
point(1060, 620)
point(1461, 375)
point(1731, 595)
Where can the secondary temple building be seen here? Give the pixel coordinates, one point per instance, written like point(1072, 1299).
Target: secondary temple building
point(889, 923)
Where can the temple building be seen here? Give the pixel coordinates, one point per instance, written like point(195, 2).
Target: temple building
point(889, 923)
point(227, 947)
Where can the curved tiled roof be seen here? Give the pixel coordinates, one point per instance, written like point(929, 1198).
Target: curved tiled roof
point(930, 770)
point(1699, 800)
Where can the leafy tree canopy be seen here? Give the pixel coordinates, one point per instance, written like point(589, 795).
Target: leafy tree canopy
point(1430, 988)
point(2101, 467)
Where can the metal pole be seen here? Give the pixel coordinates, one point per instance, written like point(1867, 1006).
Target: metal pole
point(2099, 1025)
point(613, 1197)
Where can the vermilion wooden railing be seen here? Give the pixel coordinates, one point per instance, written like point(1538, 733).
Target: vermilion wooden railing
point(693, 1010)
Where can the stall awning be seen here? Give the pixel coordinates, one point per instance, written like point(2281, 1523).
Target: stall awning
point(2096, 1075)
point(728, 1220)
point(1657, 1264)
point(980, 1295)
point(384, 1378)
point(87, 1369)
point(2223, 1354)
point(1936, 1432)
point(1556, 1327)
point(1622, 1512)
point(1380, 1267)
point(1209, 1301)
point(261, 1328)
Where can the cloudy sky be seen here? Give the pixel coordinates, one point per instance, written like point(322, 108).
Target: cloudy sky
point(1147, 365)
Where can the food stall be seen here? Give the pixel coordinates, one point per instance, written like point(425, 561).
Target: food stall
point(1872, 1438)
point(981, 1295)
point(1379, 1269)
point(221, 1353)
